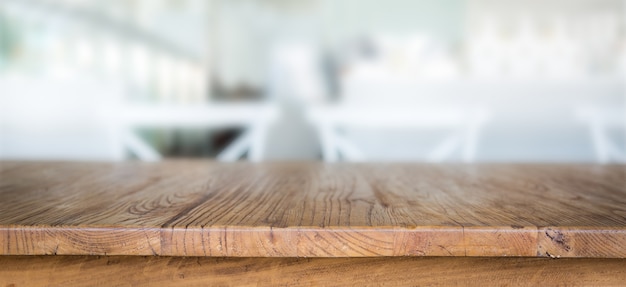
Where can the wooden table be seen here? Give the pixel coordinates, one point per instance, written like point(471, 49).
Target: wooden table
point(199, 223)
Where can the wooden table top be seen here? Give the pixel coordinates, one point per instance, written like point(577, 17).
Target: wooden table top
point(201, 208)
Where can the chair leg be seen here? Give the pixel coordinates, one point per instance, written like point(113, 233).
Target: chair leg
point(236, 149)
point(140, 148)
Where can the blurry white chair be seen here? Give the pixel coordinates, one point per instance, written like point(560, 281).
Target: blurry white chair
point(599, 121)
point(467, 124)
point(254, 118)
point(83, 119)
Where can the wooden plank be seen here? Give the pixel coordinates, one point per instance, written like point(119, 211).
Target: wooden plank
point(70, 241)
point(581, 242)
point(200, 208)
point(395, 271)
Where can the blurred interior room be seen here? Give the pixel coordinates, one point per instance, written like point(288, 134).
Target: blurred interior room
point(280, 80)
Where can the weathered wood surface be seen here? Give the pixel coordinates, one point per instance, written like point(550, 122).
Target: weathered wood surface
point(394, 271)
point(198, 208)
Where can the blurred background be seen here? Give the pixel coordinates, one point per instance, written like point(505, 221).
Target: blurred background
point(332, 80)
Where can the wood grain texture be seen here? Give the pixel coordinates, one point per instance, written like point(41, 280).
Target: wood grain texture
point(403, 271)
point(199, 208)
